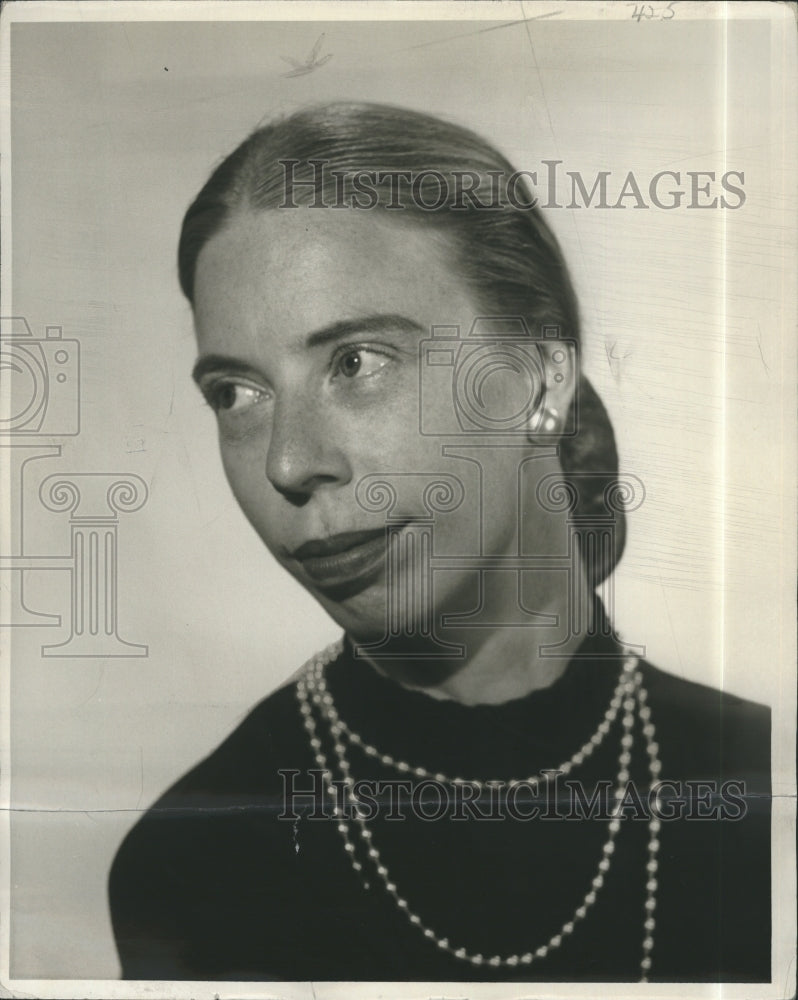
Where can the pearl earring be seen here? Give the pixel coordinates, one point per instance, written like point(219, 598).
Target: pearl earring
point(550, 420)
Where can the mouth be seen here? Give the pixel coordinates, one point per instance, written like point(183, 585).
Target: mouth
point(343, 565)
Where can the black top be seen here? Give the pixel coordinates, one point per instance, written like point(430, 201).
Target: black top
point(216, 883)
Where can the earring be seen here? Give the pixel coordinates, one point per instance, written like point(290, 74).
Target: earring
point(550, 420)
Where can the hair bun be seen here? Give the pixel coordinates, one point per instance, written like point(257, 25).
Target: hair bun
point(589, 462)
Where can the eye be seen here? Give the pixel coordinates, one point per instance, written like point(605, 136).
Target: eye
point(228, 396)
point(354, 362)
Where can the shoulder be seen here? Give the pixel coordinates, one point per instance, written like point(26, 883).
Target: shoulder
point(703, 728)
point(191, 852)
point(246, 765)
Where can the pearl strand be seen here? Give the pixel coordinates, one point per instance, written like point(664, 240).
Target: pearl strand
point(652, 865)
point(633, 695)
point(338, 728)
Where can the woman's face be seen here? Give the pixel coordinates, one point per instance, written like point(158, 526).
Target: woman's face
point(309, 324)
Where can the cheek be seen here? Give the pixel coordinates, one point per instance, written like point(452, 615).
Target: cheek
point(245, 471)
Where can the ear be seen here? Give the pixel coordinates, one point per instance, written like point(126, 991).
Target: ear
point(560, 378)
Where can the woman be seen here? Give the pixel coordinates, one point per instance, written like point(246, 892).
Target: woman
point(478, 782)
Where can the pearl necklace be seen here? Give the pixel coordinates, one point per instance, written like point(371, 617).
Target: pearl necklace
point(311, 689)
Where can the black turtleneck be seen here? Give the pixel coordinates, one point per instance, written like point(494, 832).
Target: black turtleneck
point(216, 883)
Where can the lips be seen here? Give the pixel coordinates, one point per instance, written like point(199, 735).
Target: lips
point(343, 564)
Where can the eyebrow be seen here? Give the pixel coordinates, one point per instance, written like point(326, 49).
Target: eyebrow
point(376, 323)
point(216, 362)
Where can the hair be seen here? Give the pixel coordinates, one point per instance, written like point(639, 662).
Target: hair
point(501, 245)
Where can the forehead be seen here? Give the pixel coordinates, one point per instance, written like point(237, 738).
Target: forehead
point(290, 271)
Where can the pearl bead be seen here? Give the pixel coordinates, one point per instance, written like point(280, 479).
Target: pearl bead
point(568, 928)
point(555, 941)
point(652, 865)
point(650, 924)
point(580, 913)
point(495, 961)
point(476, 959)
point(646, 963)
point(429, 933)
point(590, 898)
point(443, 943)
point(651, 904)
point(648, 944)
point(381, 869)
point(512, 960)
point(653, 845)
point(604, 865)
point(401, 903)
point(652, 885)
point(609, 847)
point(526, 958)
point(598, 881)
point(415, 919)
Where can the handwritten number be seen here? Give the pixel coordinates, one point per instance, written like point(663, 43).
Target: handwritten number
point(645, 10)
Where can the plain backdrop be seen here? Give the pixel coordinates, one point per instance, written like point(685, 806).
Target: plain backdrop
point(686, 317)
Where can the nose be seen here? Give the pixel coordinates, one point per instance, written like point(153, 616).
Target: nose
point(305, 452)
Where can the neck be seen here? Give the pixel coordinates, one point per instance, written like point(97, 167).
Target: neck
point(501, 663)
